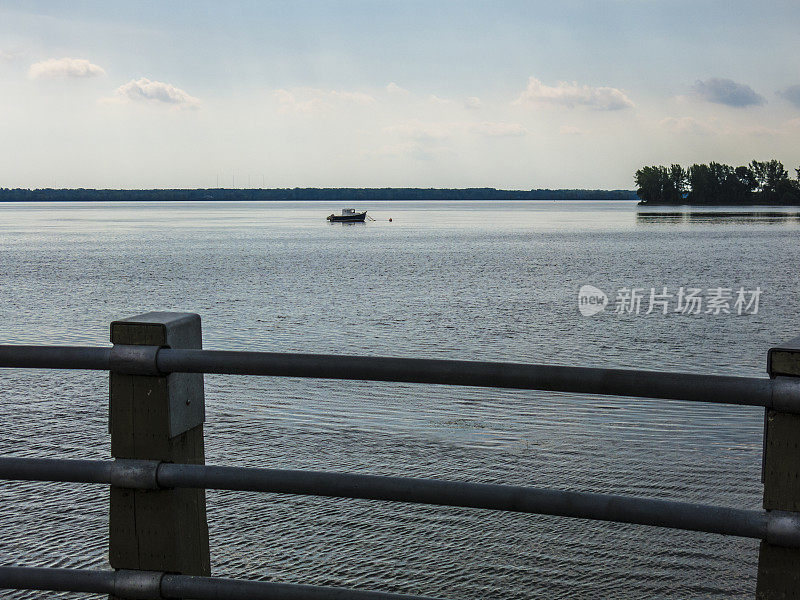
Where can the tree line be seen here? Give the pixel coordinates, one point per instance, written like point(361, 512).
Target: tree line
point(306, 194)
point(715, 183)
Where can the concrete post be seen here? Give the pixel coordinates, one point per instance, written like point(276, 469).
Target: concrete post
point(779, 567)
point(158, 417)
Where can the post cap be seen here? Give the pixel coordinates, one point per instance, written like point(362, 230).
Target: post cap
point(784, 359)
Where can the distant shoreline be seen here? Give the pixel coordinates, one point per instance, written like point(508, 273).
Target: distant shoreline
point(348, 195)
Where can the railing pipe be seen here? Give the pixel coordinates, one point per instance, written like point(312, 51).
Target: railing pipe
point(153, 585)
point(513, 498)
point(55, 357)
point(57, 580)
point(656, 512)
point(780, 392)
point(55, 469)
point(217, 588)
point(615, 382)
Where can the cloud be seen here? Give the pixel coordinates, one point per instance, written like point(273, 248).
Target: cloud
point(759, 131)
point(712, 126)
point(423, 139)
point(62, 68)
point(430, 132)
point(155, 92)
point(571, 95)
point(434, 99)
point(421, 131)
point(405, 149)
point(571, 130)
point(6, 56)
point(289, 102)
point(685, 125)
point(792, 94)
point(490, 129)
point(728, 92)
point(473, 102)
point(393, 88)
point(353, 97)
point(311, 100)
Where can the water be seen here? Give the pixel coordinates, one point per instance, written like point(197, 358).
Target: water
point(447, 280)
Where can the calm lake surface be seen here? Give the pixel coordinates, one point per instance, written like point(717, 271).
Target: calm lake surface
point(493, 281)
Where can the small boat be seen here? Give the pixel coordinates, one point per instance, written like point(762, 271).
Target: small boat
point(349, 215)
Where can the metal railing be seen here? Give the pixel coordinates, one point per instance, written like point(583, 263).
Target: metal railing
point(147, 357)
point(156, 585)
point(781, 392)
point(151, 475)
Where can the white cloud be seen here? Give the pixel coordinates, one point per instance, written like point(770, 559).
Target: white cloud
point(404, 149)
point(353, 97)
point(418, 151)
point(473, 102)
point(284, 96)
point(571, 130)
point(61, 68)
point(155, 92)
point(393, 88)
point(756, 131)
point(571, 95)
point(500, 129)
point(434, 99)
point(6, 56)
point(437, 131)
point(289, 102)
point(311, 100)
point(419, 130)
point(712, 126)
point(684, 125)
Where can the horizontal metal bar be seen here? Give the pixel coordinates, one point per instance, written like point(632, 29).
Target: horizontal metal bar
point(617, 382)
point(55, 357)
point(782, 393)
point(604, 507)
point(217, 588)
point(130, 473)
point(148, 584)
point(55, 469)
point(57, 580)
point(781, 529)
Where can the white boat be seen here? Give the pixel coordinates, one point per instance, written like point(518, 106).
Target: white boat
point(349, 215)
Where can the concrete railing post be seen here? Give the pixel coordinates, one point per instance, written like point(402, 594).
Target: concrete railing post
point(160, 418)
point(779, 567)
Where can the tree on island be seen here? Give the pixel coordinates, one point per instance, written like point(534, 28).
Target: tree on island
point(718, 184)
point(661, 184)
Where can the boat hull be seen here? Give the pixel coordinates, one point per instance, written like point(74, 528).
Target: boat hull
point(356, 218)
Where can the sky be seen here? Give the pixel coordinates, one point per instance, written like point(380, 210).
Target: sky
point(513, 95)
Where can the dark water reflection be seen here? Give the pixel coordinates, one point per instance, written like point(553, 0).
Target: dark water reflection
point(718, 216)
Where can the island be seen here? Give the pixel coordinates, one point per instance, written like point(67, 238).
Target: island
point(716, 184)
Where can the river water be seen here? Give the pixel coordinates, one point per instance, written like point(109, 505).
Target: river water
point(491, 281)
